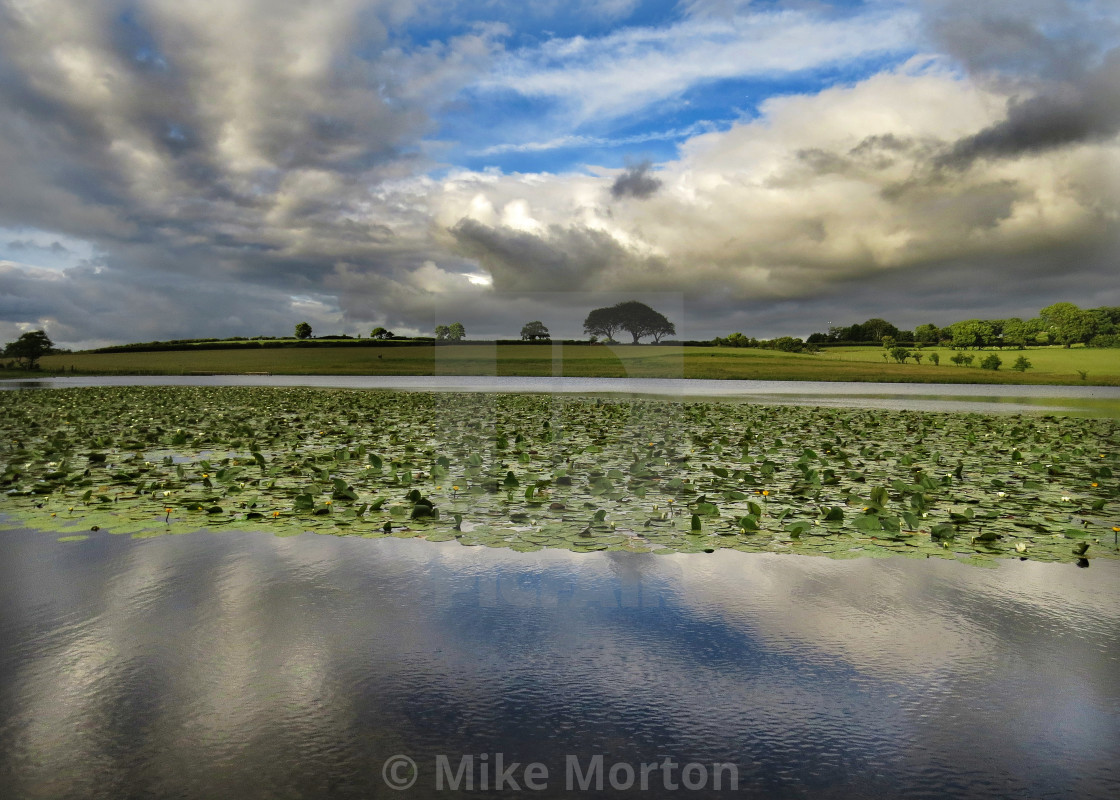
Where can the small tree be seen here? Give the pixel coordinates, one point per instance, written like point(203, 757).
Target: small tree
point(992, 362)
point(1015, 333)
point(456, 332)
point(1022, 364)
point(899, 354)
point(534, 330)
point(29, 348)
point(917, 356)
point(889, 342)
point(874, 329)
point(972, 333)
point(935, 359)
point(967, 360)
point(1067, 323)
point(381, 333)
point(303, 331)
point(927, 334)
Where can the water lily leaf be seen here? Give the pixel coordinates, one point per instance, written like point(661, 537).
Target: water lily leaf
point(795, 529)
point(867, 523)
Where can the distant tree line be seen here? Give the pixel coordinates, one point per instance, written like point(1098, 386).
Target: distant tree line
point(787, 344)
point(1060, 323)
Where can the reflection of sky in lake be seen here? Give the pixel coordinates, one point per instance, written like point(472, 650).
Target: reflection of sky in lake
point(241, 665)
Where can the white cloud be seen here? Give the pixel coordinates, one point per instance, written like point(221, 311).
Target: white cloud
point(576, 140)
point(206, 162)
point(629, 69)
point(819, 190)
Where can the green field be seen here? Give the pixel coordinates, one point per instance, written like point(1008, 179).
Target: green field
point(1051, 365)
point(1054, 364)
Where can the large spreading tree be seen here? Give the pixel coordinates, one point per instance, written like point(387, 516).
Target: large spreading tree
point(29, 348)
point(635, 318)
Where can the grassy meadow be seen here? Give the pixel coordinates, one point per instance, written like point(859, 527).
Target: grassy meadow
point(1101, 365)
point(1051, 365)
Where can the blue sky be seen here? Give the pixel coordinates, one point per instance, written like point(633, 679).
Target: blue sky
point(539, 113)
point(231, 167)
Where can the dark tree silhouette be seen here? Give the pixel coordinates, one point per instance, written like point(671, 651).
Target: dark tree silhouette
point(29, 348)
point(534, 330)
point(635, 318)
point(601, 322)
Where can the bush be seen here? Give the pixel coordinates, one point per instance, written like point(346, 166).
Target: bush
point(992, 362)
point(1022, 364)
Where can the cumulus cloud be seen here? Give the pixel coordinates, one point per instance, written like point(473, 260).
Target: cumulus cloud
point(820, 190)
point(217, 168)
point(246, 141)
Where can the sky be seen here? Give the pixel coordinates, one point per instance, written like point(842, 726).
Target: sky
point(233, 167)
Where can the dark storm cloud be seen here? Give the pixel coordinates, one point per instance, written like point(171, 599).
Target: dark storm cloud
point(1044, 39)
point(636, 182)
point(245, 142)
point(1061, 115)
point(56, 248)
point(1055, 58)
point(941, 293)
point(561, 258)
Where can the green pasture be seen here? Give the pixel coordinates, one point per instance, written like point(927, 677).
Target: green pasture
point(1048, 364)
point(1051, 365)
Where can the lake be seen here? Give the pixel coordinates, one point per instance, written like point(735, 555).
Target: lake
point(975, 398)
point(241, 665)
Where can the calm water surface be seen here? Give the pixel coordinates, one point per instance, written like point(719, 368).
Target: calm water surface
point(978, 398)
point(241, 665)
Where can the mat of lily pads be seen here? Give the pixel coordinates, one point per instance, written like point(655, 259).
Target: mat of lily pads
point(529, 472)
